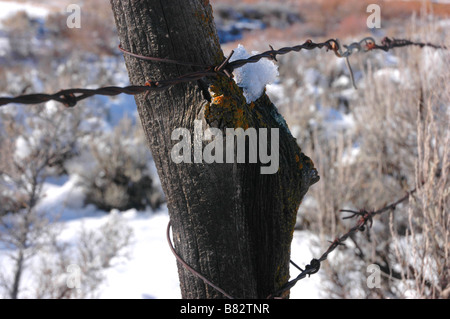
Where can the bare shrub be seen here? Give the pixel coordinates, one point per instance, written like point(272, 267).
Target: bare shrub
point(20, 28)
point(33, 148)
point(24, 234)
point(67, 271)
point(370, 147)
point(423, 252)
point(96, 35)
point(36, 146)
point(105, 243)
point(120, 176)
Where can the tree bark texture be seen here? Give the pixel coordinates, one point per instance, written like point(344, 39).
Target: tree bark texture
point(230, 223)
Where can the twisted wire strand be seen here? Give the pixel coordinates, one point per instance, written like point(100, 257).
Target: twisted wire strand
point(365, 221)
point(70, 97)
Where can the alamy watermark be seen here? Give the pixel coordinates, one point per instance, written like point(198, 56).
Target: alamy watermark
point(73, 280)
point(374, 19)
point(74, 18)
point(213, 152)
point(374, 279)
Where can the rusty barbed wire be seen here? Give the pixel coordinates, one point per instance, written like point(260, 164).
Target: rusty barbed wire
point(71, 97)
point(365, 221)
point(143, 57)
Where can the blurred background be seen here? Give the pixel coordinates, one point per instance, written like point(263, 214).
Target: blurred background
point(82, 213)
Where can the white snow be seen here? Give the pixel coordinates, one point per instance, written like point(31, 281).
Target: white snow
point(150, 271)
point(253, 77)
point(4, 46)
point(350, 156)
point(8, 9)
point(302, 252)
point(22, 148)
point(342, 82)
point(389, 74)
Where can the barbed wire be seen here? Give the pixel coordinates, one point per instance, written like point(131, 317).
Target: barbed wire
point(71, 97)
point(365, 221)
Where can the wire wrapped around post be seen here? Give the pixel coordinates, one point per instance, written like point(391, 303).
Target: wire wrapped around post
point(71, 97)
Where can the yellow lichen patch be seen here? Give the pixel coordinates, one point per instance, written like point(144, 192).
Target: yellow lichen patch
point(239, 113)
point(223, 85)
point(241, 119)
point(228, 106)
point(300, 164)
point(221, 100)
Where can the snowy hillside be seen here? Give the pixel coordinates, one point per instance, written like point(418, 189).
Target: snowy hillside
point(144, 267)
point(82, 212)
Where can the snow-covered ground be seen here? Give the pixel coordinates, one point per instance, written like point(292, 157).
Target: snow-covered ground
point(8, 9)
point(149, 269)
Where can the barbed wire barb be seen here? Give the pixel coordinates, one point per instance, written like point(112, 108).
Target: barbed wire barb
point(71, 97)
point(365, 219)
